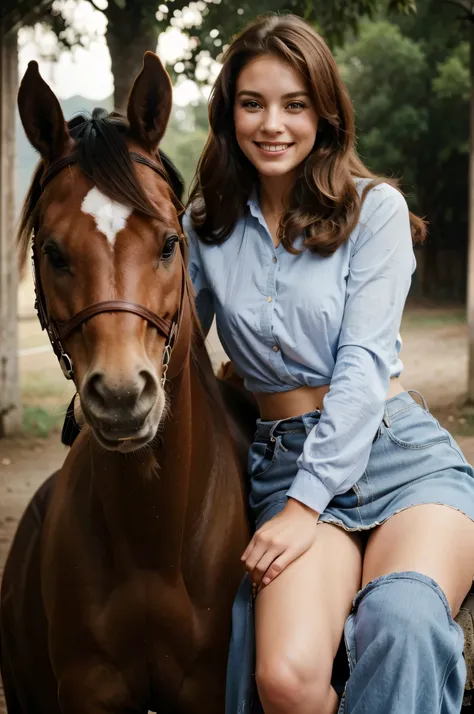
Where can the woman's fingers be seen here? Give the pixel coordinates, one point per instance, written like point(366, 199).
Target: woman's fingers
point(279, 564)
point(255, 556)
point(248, 549)
point(263, 564)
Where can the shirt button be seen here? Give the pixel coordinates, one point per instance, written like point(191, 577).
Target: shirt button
point(275, 259)
point(269, 298)
point(276, 348)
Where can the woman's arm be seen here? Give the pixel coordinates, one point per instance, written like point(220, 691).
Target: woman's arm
point(336, 452)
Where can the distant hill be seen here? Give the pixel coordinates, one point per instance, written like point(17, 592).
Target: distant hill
point(185, 137)
point(26, 156)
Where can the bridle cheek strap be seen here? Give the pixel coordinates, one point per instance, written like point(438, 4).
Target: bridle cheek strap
point(60, 331)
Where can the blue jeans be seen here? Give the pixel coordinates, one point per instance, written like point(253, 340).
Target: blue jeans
point(404, 648)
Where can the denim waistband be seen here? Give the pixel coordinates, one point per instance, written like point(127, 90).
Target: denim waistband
point(266, 429)
point(393, 406)
point(401, 402)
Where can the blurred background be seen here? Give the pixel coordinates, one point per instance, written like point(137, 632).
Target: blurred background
point(408, 69)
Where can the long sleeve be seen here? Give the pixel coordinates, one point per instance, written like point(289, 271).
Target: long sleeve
point(337, 450)
point(204, 300)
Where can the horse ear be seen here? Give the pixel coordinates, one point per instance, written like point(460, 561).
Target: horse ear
point(41, 115)
point(149, 104)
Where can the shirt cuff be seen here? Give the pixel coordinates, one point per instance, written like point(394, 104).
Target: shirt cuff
point(308, 489)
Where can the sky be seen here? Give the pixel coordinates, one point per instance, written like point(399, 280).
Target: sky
point(87, 71)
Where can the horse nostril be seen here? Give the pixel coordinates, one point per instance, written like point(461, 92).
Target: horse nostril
point(95, 392)
point(150, 388)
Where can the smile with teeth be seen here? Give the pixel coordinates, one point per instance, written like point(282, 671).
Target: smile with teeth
point(273, 147)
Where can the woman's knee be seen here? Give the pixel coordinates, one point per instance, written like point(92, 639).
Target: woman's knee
point(400, 609)
point(285, 683)
point(403, 640)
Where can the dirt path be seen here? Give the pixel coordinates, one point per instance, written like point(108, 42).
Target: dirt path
point(23, 467)
point(434, 353)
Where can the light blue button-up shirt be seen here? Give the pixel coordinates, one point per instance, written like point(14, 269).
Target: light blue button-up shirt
point(291, 320)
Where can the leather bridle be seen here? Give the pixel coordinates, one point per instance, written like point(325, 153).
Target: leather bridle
point(58, 331)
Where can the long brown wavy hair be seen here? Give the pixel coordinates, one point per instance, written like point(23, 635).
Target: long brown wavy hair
point(324, 204)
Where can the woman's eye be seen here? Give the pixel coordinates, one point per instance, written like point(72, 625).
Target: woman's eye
point(251, 105)
point(169, 248)
point(56, 258)
point(296, 105)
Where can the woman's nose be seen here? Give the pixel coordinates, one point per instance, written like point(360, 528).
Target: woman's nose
point(272, 122)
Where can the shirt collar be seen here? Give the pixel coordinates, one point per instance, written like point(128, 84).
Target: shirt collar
point(253, 204)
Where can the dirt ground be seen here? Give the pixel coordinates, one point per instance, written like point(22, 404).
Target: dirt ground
point(434, 353)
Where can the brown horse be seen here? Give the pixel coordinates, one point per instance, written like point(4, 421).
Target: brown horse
point(118, 589)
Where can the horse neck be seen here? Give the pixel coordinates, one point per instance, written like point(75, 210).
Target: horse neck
point(169, 505)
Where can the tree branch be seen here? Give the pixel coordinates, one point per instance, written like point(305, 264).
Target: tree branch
point(100, 9)
point(462, 4)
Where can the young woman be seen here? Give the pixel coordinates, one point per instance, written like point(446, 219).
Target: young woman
point(363, 504)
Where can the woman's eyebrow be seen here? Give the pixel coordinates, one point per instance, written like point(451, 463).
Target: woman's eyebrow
point(290, 95)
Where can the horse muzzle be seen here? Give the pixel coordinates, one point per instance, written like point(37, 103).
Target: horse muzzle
point(113, 441)
point(123, 415)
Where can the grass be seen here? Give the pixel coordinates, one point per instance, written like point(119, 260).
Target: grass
point(40, 422)
point(415, 318)
point(45, 395)
point(47, 385)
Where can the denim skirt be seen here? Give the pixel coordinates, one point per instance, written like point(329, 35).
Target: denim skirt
point(413, 461)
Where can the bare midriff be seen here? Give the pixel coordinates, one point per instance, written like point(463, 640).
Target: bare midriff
point(283, 405)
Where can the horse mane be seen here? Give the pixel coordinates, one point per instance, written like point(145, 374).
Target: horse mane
point(102, 154)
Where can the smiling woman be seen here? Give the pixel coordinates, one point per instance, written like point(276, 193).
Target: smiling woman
point(305, 258)
point(275, 121)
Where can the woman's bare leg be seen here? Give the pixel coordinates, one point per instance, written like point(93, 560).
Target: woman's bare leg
point(299, 622)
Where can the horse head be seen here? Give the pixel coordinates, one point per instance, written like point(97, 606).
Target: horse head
point(108, 253)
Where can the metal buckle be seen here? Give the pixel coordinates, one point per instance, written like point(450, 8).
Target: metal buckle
point(167, 353)
point(65, 363)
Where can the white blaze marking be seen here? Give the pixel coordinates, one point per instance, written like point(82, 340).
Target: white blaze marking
point(110, 217)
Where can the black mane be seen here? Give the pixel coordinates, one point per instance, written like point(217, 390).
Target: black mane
point(102, 155)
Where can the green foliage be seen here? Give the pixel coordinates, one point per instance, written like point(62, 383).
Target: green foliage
point(452, 81)
point(404, 6)
point(409, 82)
point(221, 20)
point(385, 73)
point(185, 137)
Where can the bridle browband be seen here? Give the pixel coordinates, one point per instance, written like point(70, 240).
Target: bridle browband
point(60, 331)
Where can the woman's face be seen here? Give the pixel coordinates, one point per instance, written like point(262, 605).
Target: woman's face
point(275, 121)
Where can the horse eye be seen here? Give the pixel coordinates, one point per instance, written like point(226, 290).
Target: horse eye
point(169, 248)
point(55, 257)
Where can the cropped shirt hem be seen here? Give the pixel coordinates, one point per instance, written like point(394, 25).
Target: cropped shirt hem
point(256, 387)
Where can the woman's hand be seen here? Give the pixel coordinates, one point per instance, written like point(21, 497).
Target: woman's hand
point(279, 542)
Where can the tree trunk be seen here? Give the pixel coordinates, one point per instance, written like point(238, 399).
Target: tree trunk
point(10, 410)
point(128, 38)
point(470, 269)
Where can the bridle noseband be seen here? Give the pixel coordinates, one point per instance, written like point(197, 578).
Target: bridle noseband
point(60, 331)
